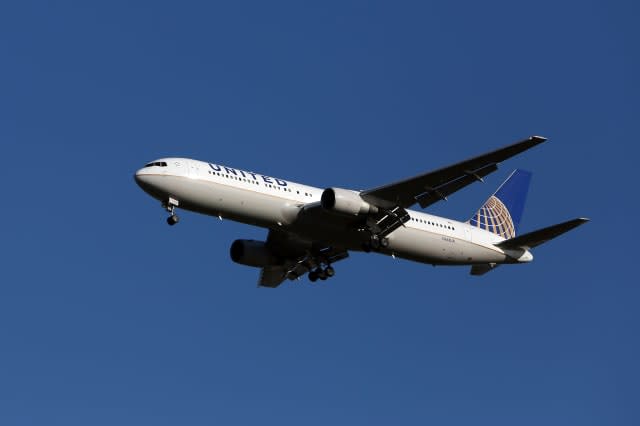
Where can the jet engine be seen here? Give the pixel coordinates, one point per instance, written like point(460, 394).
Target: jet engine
point(346, 202)
point(252, 253)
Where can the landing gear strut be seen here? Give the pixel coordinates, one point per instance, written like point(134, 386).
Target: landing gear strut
point(375, 243)
point(170, 206)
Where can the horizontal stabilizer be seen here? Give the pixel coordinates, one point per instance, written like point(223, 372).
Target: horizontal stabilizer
point(541, 236)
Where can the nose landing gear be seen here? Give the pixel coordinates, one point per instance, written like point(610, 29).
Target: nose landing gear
point(170, 206)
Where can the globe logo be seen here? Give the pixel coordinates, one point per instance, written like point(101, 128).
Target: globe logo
point(494, 217)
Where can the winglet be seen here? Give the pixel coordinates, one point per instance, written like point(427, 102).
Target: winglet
point(536, 140)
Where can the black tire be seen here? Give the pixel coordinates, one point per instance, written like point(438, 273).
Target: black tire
point(329, 271)
point(321, 274)
point(313, 277)
point(375, 242)
point(173, 219)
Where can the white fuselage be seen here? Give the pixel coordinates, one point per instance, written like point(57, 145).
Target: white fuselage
point(268, 202)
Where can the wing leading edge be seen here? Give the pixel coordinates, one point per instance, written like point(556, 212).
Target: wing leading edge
point(434, 186)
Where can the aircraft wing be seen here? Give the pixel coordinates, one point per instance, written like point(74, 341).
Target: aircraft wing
point(434, 186)
point(298, 258)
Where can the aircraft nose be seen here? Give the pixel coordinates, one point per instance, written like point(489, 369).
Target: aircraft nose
point(138, 177)
point(150, 183)
point(143, 179)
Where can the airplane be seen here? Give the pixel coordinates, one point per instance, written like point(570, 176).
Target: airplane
point(310, 229)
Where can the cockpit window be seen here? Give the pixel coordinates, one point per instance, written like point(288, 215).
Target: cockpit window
point(157, 163)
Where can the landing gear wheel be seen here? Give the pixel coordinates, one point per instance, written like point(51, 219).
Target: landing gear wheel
point(173, 219)
point(170, 206)
point(313, 276)
point(375, 242)
point(384, 242)
point(329, 271)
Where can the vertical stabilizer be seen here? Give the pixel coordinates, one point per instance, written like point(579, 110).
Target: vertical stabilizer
point(502, 212)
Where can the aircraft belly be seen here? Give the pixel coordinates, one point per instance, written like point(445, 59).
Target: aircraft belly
point(328, 233)
point(220, 200)
point(428, 247)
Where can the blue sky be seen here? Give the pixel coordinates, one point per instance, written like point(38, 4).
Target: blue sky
point(108, 316)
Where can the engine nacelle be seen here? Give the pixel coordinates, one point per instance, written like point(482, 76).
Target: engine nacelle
point(252, 253)
point(346, 202)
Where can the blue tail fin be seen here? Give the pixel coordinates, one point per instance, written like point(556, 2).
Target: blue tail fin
point(502, 212)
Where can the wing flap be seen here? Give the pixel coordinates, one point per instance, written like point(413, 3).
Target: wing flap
point(298, 258)
point(271, 276)
point(483, 268)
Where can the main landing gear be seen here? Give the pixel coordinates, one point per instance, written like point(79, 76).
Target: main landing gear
point(322, 274)
point(170, 206)
point(375, 243)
